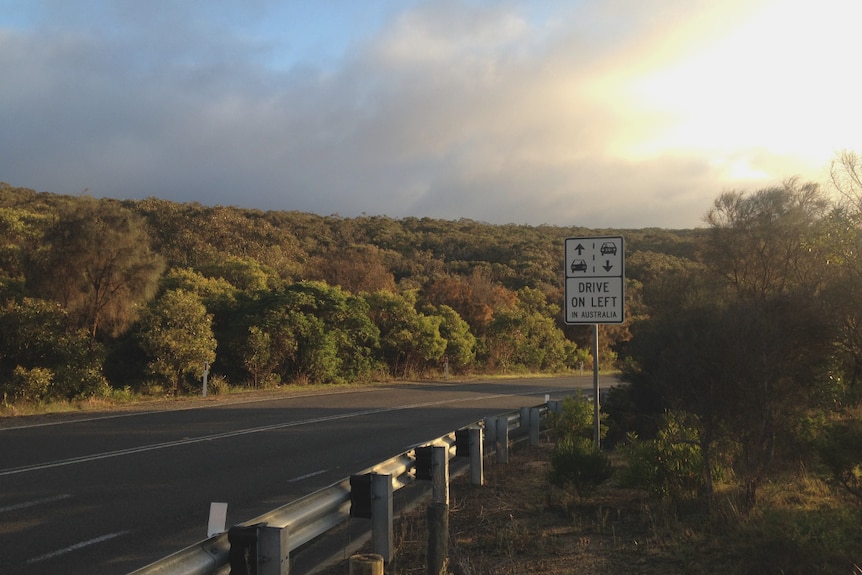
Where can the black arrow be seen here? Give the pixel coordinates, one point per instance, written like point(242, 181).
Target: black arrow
point(580, 249)
point(607, 265)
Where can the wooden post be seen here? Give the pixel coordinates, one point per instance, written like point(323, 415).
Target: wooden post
point(438, 538)
point(367, 564)
point(440, 474)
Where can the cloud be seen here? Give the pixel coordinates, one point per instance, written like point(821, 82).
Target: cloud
point(595, 114)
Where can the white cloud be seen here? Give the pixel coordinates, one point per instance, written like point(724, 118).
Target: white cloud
point(603, 113)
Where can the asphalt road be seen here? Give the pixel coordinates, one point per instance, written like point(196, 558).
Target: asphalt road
point(107, 493)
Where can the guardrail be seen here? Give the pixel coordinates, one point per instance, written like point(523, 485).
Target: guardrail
point(291, 526)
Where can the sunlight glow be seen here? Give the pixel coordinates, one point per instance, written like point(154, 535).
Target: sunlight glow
point(773, 82)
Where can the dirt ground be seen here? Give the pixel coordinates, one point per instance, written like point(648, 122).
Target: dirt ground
point(518, 524)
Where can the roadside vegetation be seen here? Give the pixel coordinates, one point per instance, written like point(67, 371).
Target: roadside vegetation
point(639, 508)
point(741, 350)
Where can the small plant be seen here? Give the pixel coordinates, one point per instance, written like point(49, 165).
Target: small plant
point(31, 384)
point(839, 449)
point(577, 463)
point(218, 385)
point(669, 465)
point(575, 419)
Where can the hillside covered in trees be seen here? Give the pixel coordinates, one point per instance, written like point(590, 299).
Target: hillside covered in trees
point(100, 295)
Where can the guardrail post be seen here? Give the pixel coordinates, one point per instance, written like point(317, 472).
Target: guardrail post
point(438, 511)
point(381, 515)
point(273, 551)
point(535, 421)
point(502, 439)
point(490, 430)
point(524, 420)
point(258, 550)
point(477, 459)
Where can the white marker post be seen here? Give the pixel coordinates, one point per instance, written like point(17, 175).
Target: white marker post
point(205, 375)
point(218, 519)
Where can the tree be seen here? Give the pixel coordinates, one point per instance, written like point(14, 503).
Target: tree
point(460, 343)
point(313, 332)
point(845, 173)
point(745, 356)
point(761, 244)
point(97, 263)
point(355, 268)
point(474, 297)
point(176, 332)
point(258, 355)
point(409, 340)
point(526, 335)
point(36, 339)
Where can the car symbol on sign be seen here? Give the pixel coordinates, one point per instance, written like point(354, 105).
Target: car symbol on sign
point(608, 248)
point(579, 266)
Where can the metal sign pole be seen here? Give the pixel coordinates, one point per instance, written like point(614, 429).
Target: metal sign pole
point(597, 418)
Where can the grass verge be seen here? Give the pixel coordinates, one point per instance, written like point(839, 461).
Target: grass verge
point(518, 523)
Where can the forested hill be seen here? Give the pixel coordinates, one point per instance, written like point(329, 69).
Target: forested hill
point(362, 297)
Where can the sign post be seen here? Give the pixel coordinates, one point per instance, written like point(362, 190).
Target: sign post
point(595, 294)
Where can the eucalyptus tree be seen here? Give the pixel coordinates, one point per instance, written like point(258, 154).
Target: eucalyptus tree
point(176, 332)
point(743, 342)
point(97, 262)
point(764, 244)
point(526, 336)
point(410, 341)
point(41, 357)
point(309, 331)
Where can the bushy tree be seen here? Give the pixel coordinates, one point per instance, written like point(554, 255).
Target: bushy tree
point(747, 357)
point(460, 342)
point(409, 341)
point(176, 332)
point(313, 332)
point(526, 335)
point(96, 261)
point(43, 357)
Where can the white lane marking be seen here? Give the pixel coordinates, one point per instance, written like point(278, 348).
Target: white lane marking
point(307, 475)
point(76, 546)
point(239, 432)
point(34, 503)
point(177, 409)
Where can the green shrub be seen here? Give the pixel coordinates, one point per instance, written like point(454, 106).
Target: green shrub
point(669, 465)
point(575, 420)
point(217, 385)
point(576, 462)
point(31, 384)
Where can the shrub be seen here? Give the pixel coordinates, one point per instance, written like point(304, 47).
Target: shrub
point(669, 465)
point(31, 384)
point(576, 462)
point(217, 385)
point(575, 420)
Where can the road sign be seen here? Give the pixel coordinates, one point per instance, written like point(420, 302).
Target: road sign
point(595, 280)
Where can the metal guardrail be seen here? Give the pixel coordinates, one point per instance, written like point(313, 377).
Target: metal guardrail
point(308, 517)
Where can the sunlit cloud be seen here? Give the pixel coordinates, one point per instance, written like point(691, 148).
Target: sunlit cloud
point(595, 113)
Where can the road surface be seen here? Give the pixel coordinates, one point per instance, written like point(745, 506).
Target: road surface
point(107, 493)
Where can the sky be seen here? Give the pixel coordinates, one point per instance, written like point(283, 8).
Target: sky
point(594, 113)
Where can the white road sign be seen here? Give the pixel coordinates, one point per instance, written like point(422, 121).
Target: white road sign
point(595, 280)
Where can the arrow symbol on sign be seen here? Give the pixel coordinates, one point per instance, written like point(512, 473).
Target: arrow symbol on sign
point(607, 265)
point(580, 248)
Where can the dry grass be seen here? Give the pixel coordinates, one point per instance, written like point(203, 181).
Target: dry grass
point(518, 524)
